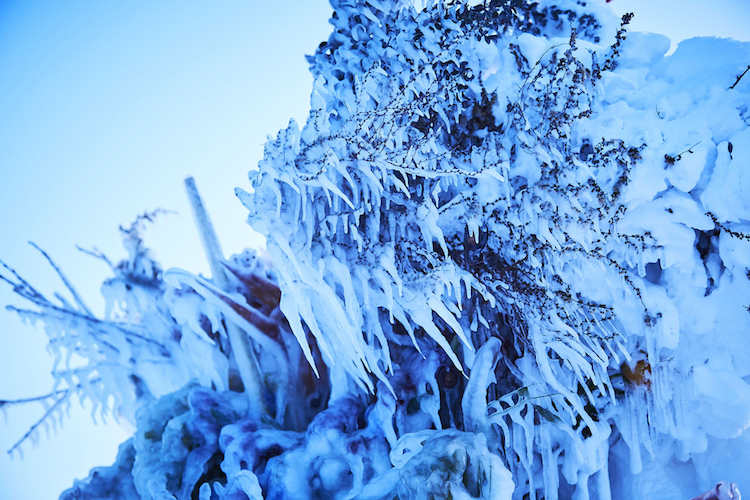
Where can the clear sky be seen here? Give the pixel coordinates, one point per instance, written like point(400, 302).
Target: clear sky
point(105, 107)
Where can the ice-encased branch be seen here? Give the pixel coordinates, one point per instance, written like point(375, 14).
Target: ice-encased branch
point(65, 281)
point(66, 394)
point(243, 355)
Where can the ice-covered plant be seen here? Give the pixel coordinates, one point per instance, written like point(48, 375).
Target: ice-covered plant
point(489, 280)
point(114, 360)
point(441, 192)
point(465, 186)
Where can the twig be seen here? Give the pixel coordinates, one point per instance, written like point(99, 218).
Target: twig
point(65, 281)
point(40, 421)
point(670, 160)
point(740, 77)
point(95, 252)
point(145, 216)
point(4, 402)
point(88, 319)
point(23, 287)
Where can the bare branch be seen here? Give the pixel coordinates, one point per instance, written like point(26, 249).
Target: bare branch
point(88, 319)
point(39, 422)
point(65, 281)
point(23, 287)
point(95, 252)
point(21, 401)
point(740, 78)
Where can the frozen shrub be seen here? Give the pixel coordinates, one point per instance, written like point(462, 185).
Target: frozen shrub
point(510, 251)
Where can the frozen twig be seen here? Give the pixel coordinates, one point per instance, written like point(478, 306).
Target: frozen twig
point(65, 281)
point(89, 319)
point(50, 410)
point(21, 401)
point(740, 78)
point(95, 252)
point(23, 287)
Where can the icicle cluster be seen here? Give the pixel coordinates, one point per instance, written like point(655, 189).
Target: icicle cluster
point(467, 184)
point(436, 193)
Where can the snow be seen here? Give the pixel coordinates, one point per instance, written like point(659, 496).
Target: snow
point(727, 192)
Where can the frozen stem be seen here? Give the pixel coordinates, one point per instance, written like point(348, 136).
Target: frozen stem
point(243, 354)
point(65, 395)
point(82, 306)
point(740, 78)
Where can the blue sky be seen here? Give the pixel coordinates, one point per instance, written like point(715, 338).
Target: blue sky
point(105, 107)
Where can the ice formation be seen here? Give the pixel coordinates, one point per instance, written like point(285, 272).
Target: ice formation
point(511, 259)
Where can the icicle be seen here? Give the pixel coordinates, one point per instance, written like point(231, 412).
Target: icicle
point(436, 304)
point(391, 225)
point(387, 287)
point(631, 435)
point(401, 185)
point(327, 185)
point(387, 260)
point(474, 402)
point(481, 319)
point(357, 238)
point(277, 191)
point(310, 220)
point(549, 463)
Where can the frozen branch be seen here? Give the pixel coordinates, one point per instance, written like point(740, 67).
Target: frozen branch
point(95, 252)
point(243, 355)
point(740, 78)
point(65, 281)
point(35, 426)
